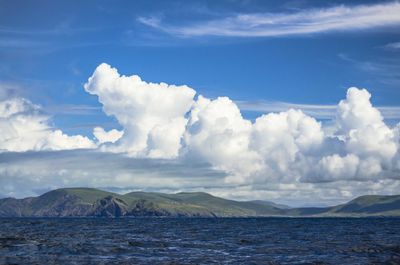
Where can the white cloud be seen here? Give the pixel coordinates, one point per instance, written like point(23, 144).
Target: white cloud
point(103, 136)
point(282, 138)
point(356, 110)
point(363, 128)
point(218, 134)
point(33, 173)
point(335, 167)
point(311, 21)
point(23, 128)
point(369, 145)
point(290, 146)
point(285, 147)
point(393, 45)
point(152, 115)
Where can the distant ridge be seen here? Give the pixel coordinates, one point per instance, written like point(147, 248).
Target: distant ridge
point(277, 205)
point(84, 202)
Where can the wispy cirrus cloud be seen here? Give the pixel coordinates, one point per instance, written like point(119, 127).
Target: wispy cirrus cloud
point(72, 109)
point(393, 45)
point(48, 39)
point(63, 28)
point(386, 71)
point(316, 110)
point(310, 21)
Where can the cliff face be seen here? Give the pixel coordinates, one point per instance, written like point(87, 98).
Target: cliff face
point(14, 207)
point(109, 207)
point(61, 206)
point(80, 202)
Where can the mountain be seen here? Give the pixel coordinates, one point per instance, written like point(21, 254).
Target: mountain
point(93, 202)
point(80, 202)
point(277, 205)
point(368, 205)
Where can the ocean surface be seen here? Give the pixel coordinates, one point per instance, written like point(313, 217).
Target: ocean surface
point(200, 241)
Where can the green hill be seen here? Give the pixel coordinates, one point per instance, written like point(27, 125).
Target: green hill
point(368, 205)
point(93, 202)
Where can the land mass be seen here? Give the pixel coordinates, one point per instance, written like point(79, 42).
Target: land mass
point(86, 202)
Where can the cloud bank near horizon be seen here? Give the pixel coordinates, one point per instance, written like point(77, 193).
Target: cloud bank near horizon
point(278, 154)
point(164, 121)
point(308, 21)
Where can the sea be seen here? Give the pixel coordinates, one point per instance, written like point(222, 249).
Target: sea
point(200, 241)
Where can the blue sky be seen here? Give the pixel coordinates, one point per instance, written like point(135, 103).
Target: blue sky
point(265, 56)
point(50, 48)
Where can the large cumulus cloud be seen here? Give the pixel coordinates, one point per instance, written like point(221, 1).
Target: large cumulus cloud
point(23, 128)
point(217, 133)
point(167, 121)
point(152, 114)
point(369, 146)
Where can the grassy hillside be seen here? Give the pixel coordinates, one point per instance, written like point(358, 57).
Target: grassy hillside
point(88, 195)
point(87, 201)
point(276, 205)
point(94, 202)
point(204, 202)
point(369, 205)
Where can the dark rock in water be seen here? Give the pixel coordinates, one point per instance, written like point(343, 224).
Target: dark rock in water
point(395, 248)
point(365, 249)
point(109, 207)
point(245, 241)
point(148, 244)
point(10, 241)
point(135, 244)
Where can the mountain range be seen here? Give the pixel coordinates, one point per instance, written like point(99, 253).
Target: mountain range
point(85, 202)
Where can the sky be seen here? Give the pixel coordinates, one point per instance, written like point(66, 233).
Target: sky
point(296, 102)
